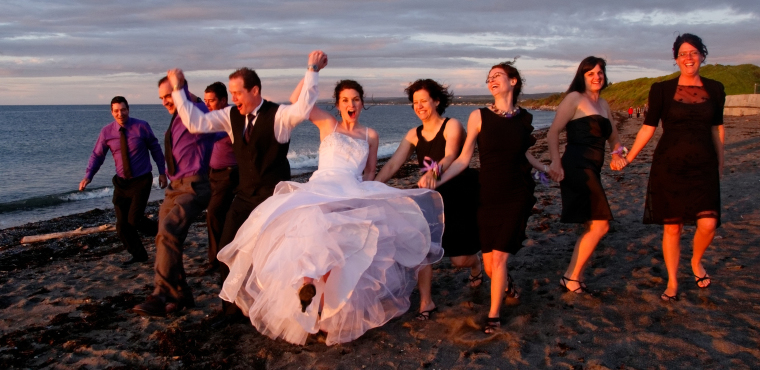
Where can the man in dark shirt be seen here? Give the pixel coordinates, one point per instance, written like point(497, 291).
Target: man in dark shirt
point(129, 140)
point(223, 177)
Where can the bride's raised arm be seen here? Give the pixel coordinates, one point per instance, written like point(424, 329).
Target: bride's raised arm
point(324, 121)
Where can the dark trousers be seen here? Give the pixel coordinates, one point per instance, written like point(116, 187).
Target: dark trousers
point(223, 183)
point(185, 199)
point(130, 197)
point(239, 211)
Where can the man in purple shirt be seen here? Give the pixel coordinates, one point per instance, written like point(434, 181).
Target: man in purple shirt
point(129, 140)
point(223, 177)
point(187, 160)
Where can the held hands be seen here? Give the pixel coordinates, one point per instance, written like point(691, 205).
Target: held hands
point(176, 77)
point(162, 181)
point(318, 58)
point(618, 163)
point(427, 181)
point(83, 184)
point(556, 172)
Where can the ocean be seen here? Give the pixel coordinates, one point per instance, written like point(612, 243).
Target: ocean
point(44, 150)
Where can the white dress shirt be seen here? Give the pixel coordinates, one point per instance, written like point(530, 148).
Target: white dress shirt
point(286, 118)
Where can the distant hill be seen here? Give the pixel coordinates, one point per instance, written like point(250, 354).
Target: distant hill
point(739, 79)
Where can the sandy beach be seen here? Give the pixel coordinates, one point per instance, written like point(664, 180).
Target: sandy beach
point(63, 303)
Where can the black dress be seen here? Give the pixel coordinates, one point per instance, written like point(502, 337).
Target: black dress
point(583, 197)
point(460, 199)
point(684, 181)
point(506, 186)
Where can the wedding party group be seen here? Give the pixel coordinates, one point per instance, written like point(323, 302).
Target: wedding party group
point(343, 252)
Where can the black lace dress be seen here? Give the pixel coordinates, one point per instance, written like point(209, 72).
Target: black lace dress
point(583, 197)
point(506, 186)
point(460, 199)
point(684, 182)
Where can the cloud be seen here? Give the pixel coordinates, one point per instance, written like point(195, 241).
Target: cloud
point(83, 45)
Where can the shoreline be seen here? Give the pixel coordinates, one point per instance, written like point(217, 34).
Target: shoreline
point(63, 303)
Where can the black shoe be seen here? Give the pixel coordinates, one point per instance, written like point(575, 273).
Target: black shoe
point(134, 260)
point(173, 307)
point(153, 306)
point(224, 320)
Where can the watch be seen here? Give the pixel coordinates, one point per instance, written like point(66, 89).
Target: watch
point(313, 68)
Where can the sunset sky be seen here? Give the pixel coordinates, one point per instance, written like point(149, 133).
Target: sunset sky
point(86, 52)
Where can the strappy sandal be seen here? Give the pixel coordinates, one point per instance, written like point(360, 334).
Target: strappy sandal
point(425, 315)
point(701, 279)
point(511, 291)
point(306, 294)
point(669, 298)
point(493, 324)
point(475, 278)
point(581, 285)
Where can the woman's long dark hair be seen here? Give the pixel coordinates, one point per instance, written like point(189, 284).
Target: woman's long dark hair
point(579, 82)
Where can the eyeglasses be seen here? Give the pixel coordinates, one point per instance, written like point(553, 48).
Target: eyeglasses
point(495, 76)
point(692, 54)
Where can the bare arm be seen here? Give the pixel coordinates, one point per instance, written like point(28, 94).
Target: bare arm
point(369, 169)
point(719, 137)
point(642, 138)
point(324, 121)
point(618, 162)
point(538, 165)
point(463, 161)
point(565, 113)
point(400, 156)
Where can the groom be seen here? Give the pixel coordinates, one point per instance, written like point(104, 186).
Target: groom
point(260, 133)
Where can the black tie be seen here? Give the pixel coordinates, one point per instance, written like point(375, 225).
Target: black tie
point(170, 166)
point(125, 153)
point(249, 128)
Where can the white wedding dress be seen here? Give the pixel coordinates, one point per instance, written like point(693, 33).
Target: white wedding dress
point(369, 237)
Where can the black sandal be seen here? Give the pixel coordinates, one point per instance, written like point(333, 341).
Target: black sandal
point(306, 294)
point(581, 285)
point(669, 298)
point(701, 279)
point(511, 291)
point(475, 278)
point(425, 315)
point(493, 324)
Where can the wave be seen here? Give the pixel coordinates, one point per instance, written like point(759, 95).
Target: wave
point(61, 198)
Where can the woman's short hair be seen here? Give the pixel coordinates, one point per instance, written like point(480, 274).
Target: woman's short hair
point(579, 81)
point(692, 40)
point(512, 72)
point(348, 85)
point(438, 92)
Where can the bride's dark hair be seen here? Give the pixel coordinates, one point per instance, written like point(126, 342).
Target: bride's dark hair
point(348, 85)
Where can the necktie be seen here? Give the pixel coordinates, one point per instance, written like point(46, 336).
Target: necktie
point(249, 128)
point(125, 153)
point(171, 168)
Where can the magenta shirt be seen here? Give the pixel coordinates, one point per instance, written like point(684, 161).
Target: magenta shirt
point(192, 152)
point(140, 141)
point(223, 155)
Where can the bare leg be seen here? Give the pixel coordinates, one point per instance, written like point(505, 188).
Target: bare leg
point(671, 252)
point(424, 283)
point(473, 262)
point(498, 273)
point(702, 239)
point(584, 247)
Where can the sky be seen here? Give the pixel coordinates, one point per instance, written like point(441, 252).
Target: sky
point(86, 52)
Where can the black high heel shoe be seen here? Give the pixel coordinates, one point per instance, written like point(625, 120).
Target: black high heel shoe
point(511, 291)
point(581, 285)
point(306, 294)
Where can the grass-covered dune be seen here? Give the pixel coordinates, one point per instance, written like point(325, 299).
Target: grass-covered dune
point(739, 79)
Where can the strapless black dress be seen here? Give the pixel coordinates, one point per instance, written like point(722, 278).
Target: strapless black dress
point(583, 197)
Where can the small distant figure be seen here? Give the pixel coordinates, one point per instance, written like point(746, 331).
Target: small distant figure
point(630, 112)
point(130, 140)
point(638, 112)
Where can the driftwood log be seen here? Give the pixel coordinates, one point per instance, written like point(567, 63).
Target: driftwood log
point(66, 234)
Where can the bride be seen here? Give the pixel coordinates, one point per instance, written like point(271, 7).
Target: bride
point(340, 253)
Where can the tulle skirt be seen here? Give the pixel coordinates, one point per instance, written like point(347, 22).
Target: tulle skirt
point(371, 239)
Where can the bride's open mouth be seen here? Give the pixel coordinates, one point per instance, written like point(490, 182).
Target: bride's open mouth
point(351, 113)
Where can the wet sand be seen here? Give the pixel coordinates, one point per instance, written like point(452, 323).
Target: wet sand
point(63, 303)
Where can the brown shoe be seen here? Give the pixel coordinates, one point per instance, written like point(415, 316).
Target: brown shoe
point(153, 306)
point(306, 294)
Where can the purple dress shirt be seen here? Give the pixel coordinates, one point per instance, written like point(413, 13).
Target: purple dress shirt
point(223, 155)
point(191, 152)
point(140, 140)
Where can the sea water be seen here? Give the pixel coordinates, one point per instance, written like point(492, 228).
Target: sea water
point(44, 151)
